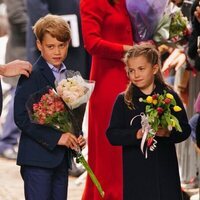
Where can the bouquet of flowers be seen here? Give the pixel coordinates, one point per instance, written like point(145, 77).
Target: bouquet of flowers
point(45, 107)
point(64, 110)
point(158, 21)
point(74, 90)
point(173, 29)
point(158, 114)
point(145, 17)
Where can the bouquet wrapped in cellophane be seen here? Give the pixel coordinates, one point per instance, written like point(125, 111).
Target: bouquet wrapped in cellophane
point(75, 93)
point(145, 17)
point(173, 29)
point(161, 21)
point(63, 109)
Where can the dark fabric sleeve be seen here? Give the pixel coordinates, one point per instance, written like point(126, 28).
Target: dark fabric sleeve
point(192, 45)
point(44, 135)
point(198, 132)
point(193, 124)
point(177, 136)
point(118, 133)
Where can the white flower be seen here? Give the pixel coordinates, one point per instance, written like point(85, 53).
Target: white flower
point(75, 91)
point(140, 99)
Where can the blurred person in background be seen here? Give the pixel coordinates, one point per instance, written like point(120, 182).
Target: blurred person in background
point(195, 136)
point(4, 27)
point(189, 159)
point(195, 122)
point(13, 68)
point(15, 49)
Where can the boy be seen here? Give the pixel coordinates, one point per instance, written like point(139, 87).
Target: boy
point(44, 153)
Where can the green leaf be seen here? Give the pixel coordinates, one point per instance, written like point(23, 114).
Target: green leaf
point(177, 125)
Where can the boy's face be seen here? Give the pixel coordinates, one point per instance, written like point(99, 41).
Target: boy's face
point(52, 50)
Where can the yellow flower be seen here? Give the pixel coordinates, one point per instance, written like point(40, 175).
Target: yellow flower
point(149, 99)
point(177, 108)
point(155, 101)
point(170, 96)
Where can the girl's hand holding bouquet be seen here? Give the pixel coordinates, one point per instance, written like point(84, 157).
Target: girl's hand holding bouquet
point(163, 132)
point(158, 119)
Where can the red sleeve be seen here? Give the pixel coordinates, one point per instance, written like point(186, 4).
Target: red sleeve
point(93, 16)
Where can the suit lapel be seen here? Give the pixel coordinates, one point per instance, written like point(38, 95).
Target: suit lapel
point(46, 72)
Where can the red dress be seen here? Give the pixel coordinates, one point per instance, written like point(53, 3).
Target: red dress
point(105, 30)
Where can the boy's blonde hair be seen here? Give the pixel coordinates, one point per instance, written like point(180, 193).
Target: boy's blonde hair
point(54, 25)
point(153, 56)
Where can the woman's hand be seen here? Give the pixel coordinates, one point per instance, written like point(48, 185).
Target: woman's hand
point(127, 48)
point(16, 68)
point(175, 60)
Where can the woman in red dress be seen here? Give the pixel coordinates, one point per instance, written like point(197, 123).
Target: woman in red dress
point(107, 35)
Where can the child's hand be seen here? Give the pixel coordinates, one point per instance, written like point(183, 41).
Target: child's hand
point(139, 134)
point(69, 140)
point(81, 141)
point(163, 132)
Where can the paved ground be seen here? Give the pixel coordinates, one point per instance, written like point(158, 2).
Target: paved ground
point(11, 185)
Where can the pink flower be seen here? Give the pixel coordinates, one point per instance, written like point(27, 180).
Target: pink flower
point(160, 110)
point(149, 141)
point(167, 101)
point(50, 110)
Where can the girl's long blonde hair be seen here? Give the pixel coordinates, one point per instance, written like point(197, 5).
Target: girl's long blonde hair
point(152, 55)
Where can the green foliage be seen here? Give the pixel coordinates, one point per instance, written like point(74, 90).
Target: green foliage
point(159, 111)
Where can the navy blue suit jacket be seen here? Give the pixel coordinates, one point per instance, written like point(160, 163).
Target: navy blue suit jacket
point(38, 144)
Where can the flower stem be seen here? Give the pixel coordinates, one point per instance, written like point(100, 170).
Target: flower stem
point(80, 158)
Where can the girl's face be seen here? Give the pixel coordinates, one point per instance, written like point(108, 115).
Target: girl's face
point(141, 73)
point(52, 50)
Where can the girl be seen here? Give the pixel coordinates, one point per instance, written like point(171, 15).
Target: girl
point(155, 177)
